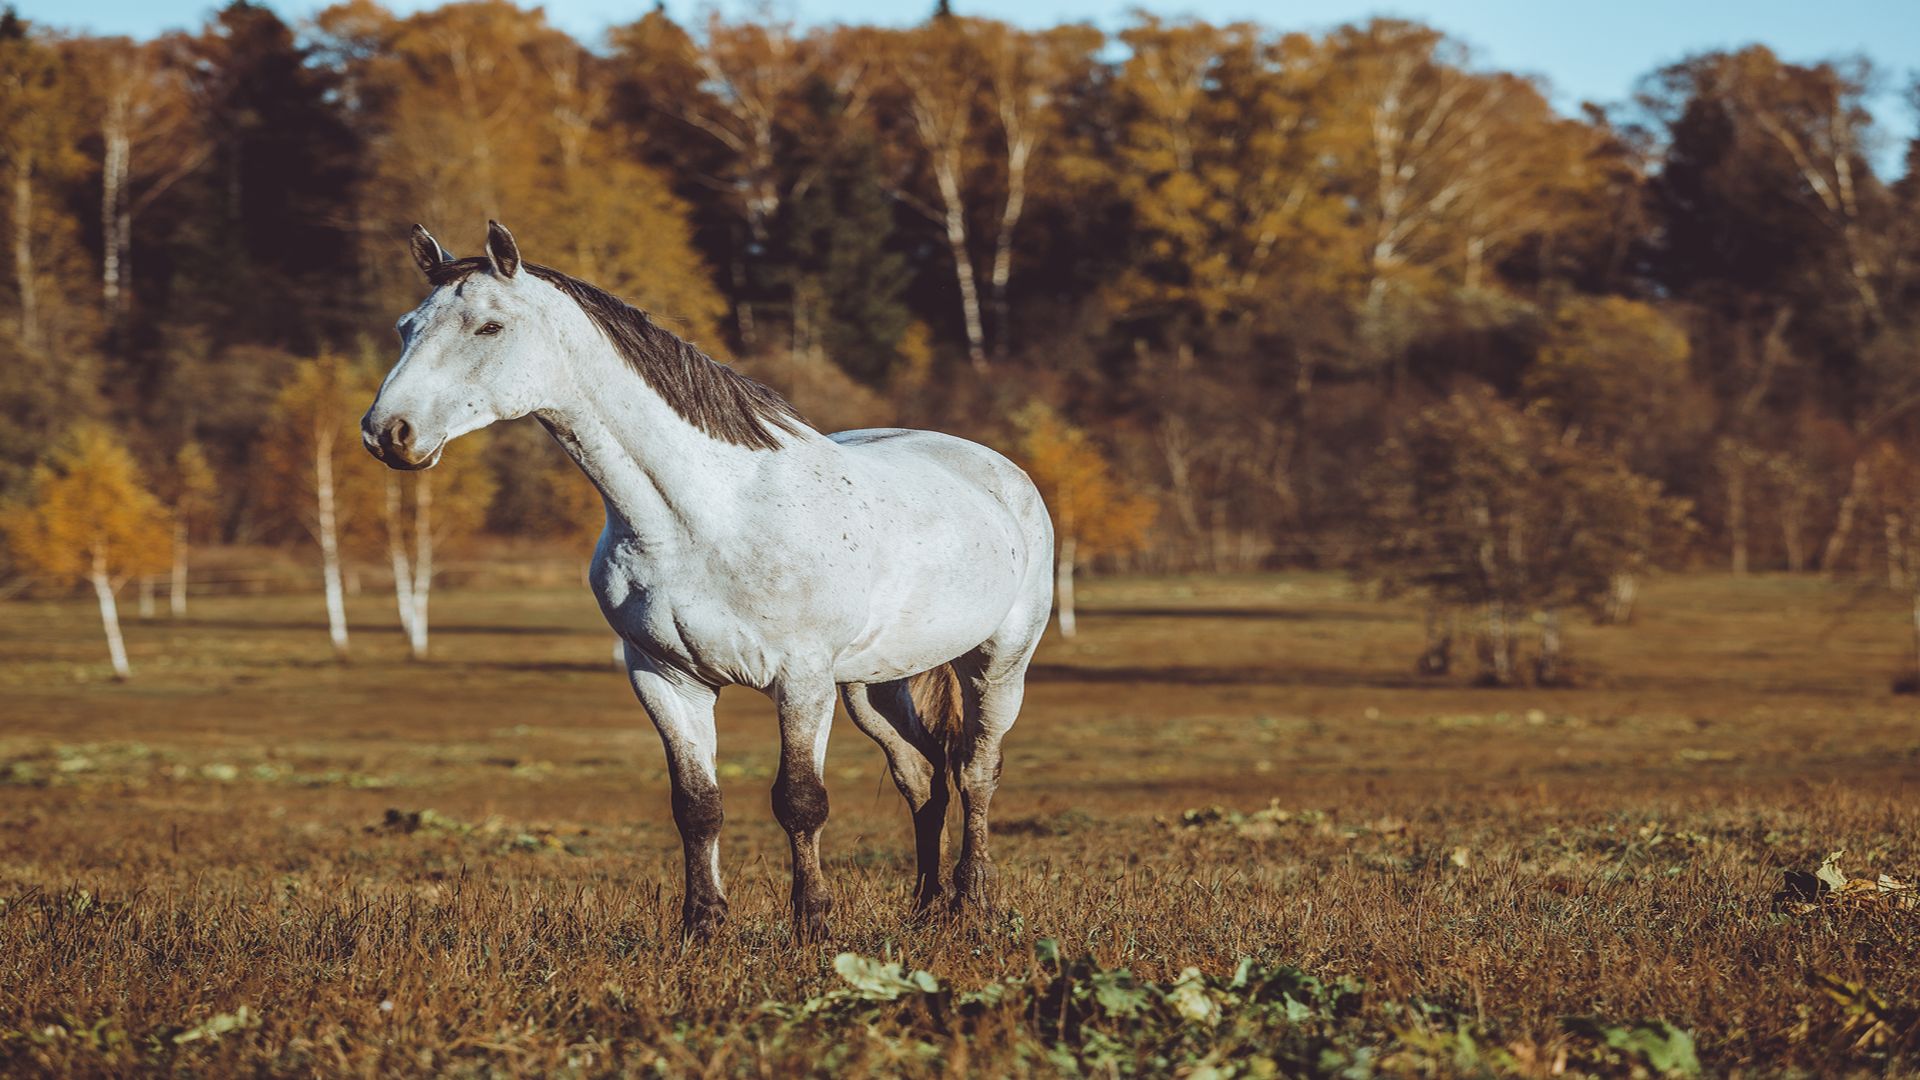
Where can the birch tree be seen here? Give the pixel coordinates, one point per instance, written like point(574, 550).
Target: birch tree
point(36, 147)
point(1430, 151)
point(186, 487)
point(424, 512)
point(743, 88)
point(938, 79)
point(143, 123)
point(316, 453)
point(1029, 77)
point(90, 518)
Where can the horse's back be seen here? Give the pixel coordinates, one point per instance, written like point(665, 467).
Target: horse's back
point(985, 467)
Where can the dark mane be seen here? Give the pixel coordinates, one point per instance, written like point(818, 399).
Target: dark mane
point(710, 395)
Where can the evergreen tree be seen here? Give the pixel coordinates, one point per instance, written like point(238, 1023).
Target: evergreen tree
point(849, 279)
point(268, 254)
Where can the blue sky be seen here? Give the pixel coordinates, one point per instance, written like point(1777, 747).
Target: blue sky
point(1587, 51)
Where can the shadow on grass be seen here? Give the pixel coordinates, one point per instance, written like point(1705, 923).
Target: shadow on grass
point(545, 667)
point(1242, 613)
point(504, 630)
point(1209, 675)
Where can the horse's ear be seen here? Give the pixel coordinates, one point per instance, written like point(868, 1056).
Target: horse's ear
point(427, 252)
point(502, 250)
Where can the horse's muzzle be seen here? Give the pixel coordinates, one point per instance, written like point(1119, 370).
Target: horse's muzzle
point(393, 444)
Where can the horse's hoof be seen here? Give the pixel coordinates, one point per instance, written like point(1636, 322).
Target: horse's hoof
point(973, 887)
point(812, 929)
point(929, 908)
point(810, 924)
point(700, 921)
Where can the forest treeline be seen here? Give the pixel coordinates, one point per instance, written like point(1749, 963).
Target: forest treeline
point(1334, 299)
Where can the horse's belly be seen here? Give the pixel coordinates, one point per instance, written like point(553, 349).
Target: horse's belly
point(953, 594)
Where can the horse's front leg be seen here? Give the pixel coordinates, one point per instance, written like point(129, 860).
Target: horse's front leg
point(800, 797)
point(682, 710)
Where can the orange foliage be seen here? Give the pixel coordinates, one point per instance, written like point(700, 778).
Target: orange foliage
point(89, 513)
point(1089, 505)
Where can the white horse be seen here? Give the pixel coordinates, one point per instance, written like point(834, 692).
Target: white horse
point(910, 569)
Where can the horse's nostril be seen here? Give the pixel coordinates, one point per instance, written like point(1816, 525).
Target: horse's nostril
point(399, 433)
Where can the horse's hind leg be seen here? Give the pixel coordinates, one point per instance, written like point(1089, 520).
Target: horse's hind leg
point(992, 703)
point(885, 712)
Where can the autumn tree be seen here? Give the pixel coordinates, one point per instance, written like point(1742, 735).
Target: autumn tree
point(1419, 123)
point(1241, 264)
point(1481, 506)
point(36, 149)
point(89, 517)
point(1774, 226)
point(48, 323)
point(1612, 375)
point(1894, 488)
point(1221, 161)
point(1093, 512)
point(482, 110)
point(315, 454)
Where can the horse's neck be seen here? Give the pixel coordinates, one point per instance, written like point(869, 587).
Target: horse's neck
point(666, 483)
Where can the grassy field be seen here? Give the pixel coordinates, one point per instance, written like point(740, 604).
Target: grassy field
point(1237, 836)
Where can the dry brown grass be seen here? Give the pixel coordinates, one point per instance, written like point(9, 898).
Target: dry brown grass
point(216, 835)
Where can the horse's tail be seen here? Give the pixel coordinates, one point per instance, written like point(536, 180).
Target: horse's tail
point(937, 701)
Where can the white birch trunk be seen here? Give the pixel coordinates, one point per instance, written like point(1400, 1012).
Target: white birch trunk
point(23, 270)
point(113, 186)
point(1499, 643)
point(422, 563)
point(1836, 544)
point(328, 533)
point(1549, 671)
point(146, 596)
point(1737, 513)
point(397, 552)
point(1063, 586)
point(110, 619)
point(177, 594)
point(1623, 587)
point(955, 214)
point(1019, 150)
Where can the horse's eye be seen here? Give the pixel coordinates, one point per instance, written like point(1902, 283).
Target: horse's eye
point(490, 328)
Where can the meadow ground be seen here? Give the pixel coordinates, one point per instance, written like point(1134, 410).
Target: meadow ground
point(1236, 834)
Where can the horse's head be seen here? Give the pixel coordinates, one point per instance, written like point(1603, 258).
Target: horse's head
point(470, 354)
